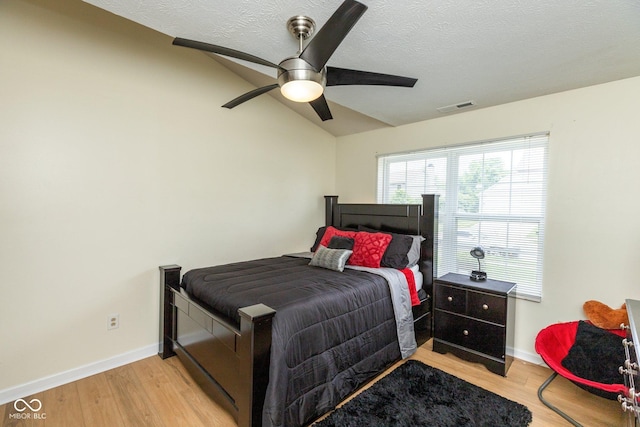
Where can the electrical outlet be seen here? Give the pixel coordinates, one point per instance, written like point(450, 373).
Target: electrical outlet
point(113, 321)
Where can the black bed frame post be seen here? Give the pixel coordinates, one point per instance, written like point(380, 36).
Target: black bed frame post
point(169, 279)
point(429, 230)
point(254, 350)
point(330, 206)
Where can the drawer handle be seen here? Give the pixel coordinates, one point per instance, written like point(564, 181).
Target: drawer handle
point(485, 307)
point(465, 332)
point(449, 299)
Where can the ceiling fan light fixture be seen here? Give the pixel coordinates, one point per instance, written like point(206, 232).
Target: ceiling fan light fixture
point(299, 82)
point(302, 90)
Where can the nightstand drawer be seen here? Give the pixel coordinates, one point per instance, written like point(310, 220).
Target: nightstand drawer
point(450, 298)
point(475, 335)
point(491, 308)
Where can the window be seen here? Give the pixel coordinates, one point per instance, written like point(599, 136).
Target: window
point(492, 194)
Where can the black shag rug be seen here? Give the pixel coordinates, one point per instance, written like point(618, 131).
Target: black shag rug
point(415, 394)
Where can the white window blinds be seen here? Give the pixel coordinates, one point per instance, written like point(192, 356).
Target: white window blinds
point(492, 194)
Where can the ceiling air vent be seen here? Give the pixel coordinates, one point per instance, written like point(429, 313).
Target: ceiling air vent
point(457, 107)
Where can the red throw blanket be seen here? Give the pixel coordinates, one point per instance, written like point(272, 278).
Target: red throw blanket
point(411, 281)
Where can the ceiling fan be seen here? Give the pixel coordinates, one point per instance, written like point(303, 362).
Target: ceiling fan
point(303, 77)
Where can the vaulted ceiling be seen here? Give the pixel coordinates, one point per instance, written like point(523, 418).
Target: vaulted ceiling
point(489, 52)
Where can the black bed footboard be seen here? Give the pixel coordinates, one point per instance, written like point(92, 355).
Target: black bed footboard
point(230, 364)
point(169, 283)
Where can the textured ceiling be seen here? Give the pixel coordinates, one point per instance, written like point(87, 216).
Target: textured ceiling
point(488, 51)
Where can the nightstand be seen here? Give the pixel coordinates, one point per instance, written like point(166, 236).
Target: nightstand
point(475, 320)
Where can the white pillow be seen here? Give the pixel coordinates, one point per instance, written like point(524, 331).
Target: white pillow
point(414, 251)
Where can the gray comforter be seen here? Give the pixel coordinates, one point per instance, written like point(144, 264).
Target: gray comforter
point(331, 333)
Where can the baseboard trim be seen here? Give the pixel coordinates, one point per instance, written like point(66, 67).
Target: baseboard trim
point(528, 357)
point(42, 384)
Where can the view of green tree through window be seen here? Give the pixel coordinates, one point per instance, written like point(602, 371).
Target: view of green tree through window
point(492, 194)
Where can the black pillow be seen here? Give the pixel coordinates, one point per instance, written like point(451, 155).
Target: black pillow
point(595, 355)
point(320, 234)
point(341, 242)
point(396, 254)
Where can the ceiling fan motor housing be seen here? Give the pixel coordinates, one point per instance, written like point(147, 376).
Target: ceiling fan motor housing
point(295, 68)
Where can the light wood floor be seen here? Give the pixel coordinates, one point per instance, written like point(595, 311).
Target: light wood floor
point(156, 392)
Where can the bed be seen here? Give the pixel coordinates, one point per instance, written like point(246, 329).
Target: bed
point(271, 362)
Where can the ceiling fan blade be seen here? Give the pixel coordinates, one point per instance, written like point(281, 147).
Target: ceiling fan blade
point(220, 50)
point(344, 76)
point(250, 95)
point(329, 37)
point(322, 108)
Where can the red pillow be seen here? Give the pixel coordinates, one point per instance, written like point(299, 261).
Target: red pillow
point(332, 231)
point(369, 248)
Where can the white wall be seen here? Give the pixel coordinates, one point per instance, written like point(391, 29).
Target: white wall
point(592, 241)
point(115, 158)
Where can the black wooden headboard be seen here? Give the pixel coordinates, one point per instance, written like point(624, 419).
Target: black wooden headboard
point(406, 219)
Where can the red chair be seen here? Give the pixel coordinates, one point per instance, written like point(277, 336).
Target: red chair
point(553, 344)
